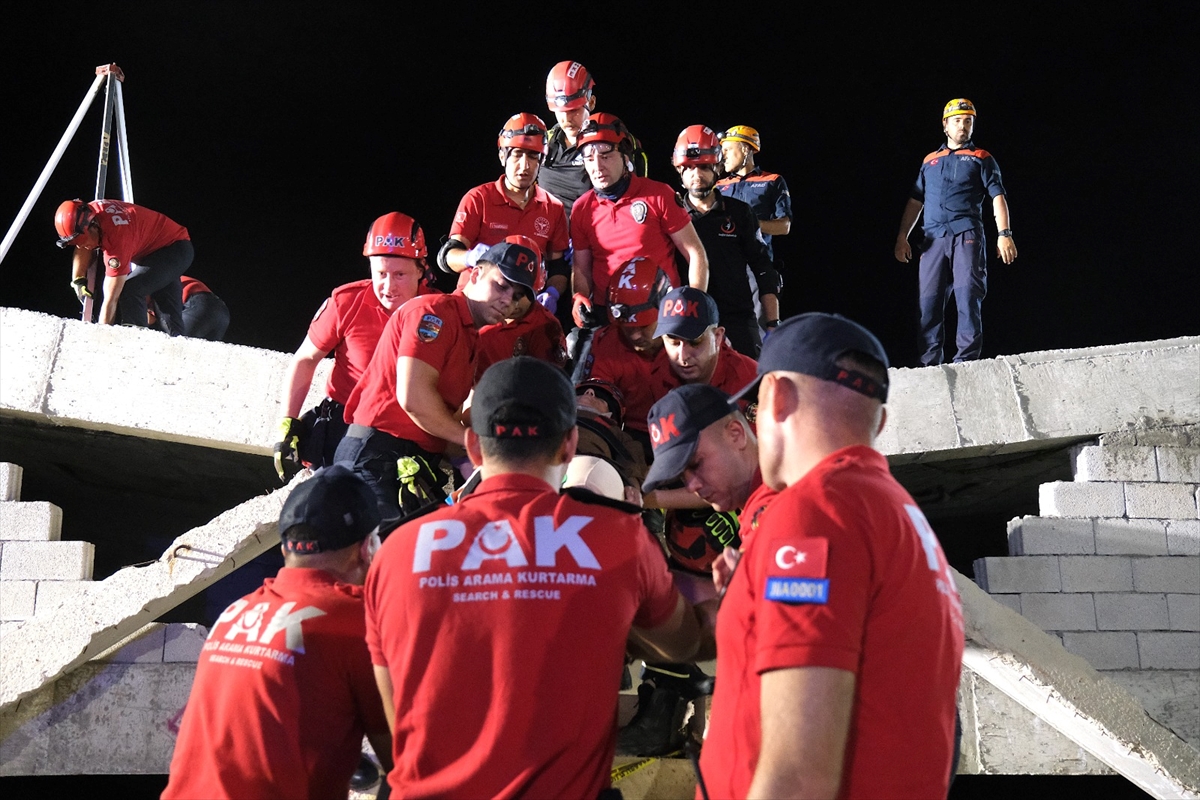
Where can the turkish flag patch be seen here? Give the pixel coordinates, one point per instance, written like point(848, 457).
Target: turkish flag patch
point(796, 573)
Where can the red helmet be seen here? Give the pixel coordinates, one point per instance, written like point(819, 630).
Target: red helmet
point(608, 392)
point(539, 281)
point(71, 220)
point(526, 131)
point(635, 291)
point(569, 85)
point(602, 127)
point(696, 145)
point(395, 234)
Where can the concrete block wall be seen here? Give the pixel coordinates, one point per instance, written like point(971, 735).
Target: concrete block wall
point(34, 563)
point(1112, 564)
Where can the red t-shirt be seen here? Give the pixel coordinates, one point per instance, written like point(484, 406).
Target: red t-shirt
point(502, 622)
point(283, 693)
point(434, 328)
point(128, 232)
point(616, 362)
point(639, 223)
point(538, 334)
point(844, 572)
point(751, 514)
point(192, 286)
point(349, 325)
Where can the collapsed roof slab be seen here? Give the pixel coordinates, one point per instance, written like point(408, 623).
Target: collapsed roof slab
point(1031, 667)
point(84, 625)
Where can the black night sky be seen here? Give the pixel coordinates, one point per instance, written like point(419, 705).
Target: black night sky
point(277, 133)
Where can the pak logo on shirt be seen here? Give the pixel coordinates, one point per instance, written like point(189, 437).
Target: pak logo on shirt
point(639, 209)
point(797, 572)
point(429, 328)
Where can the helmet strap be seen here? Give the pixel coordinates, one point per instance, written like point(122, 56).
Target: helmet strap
point(618, 189)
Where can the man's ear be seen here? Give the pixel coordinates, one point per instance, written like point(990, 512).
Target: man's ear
point(735, 433)
point(777, 396)
point(474, 451)
point(882, 420)
point(570, 443)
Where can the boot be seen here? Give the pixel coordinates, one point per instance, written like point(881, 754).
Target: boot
point(366, 776)
point(657, 727)
point(686, 679)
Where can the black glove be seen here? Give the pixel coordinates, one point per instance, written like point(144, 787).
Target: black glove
point(79, 286)
point(287, 459)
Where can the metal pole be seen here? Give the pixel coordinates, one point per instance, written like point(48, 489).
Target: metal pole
point(23, 214)
point(105, 136)
point(123, 148)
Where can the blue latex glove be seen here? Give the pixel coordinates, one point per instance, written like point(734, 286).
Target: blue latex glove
point(549, 299)
point(475, 253)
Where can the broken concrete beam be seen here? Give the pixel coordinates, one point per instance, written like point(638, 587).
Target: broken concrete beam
point(35, 521)
point(10, 482)
point(41, 649)
point(64, 561)
point(1032, 668)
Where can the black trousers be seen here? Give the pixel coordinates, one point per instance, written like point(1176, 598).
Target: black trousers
point(156, 275)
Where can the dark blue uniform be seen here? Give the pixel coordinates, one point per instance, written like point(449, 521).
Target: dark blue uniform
point(953, 185)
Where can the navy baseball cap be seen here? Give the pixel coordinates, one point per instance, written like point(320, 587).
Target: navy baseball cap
point(675, 424)
point(811, 344)
point(517, 263)
point(523, 397)
point(686, 313)
point(335, 505)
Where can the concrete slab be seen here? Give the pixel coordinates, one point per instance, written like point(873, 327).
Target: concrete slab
point(29, 344)
point(1033, 669)
point(1171, 697)
point(81, 627)
point(30, 521)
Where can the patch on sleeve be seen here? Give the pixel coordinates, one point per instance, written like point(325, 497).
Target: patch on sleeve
point(429, 328)
point(460, 217)
point(319, 310)
point(114, 262)
point(798, 572)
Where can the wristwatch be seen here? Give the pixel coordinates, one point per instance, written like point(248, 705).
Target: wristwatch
point(1006, 232)
point(771, 323)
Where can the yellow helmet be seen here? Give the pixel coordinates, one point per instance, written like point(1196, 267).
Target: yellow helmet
point(743, 133)
point(958, 107)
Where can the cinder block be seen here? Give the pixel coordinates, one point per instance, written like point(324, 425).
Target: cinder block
point(1107, 650)
point(64, 561)
point(1114, 463)
point(183, 642)
point(1183, 537)
point(1162, 650)
point(1014, 575)
point(1184, 612)
point(1131, 537)
point(1035, 536)
point(17, 599)
point(1060, 612)
point(1132, 612)
point(1012, 601)
point(1160, 501)
point(37, 521)
point(141, 647)
point(1171, 574)
point(1178, 464)
point(1066, 499)
point(52, 594)
point(1096, 573)
point(10, 482)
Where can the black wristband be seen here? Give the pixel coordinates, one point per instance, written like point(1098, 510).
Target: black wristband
point(1006, 232)
point(771, 323)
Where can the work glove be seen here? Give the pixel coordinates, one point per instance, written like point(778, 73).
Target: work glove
point(79, 286)
point(475, 252)
point(420, 483)
point(549, 299)
point(582, 313)
point(287, 459)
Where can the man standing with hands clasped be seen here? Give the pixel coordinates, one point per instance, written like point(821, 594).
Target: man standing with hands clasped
point(951, 187)
point(840, 637)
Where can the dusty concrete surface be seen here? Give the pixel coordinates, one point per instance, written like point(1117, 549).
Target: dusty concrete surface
point(1032, 667)
point(39, 650)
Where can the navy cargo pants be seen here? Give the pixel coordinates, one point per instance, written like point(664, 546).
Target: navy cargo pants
point(953, 265)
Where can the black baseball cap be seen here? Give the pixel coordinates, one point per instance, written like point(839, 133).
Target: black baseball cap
point(335, 504)
point(811, 344)
point(675, 424)
point(523, 397)
point(686, 313)
point(517, 263)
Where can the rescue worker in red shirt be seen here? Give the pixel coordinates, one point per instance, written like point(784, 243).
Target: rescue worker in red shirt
point(624, 352)
point(471, 608)
point(407, 409)
point(512, 204)
point(532, 330)
point(143, 254)
point(348, 324)
point(205, 316)
point(624, 216)
point(694, 346)
point(840, 637)
point(284, 690)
